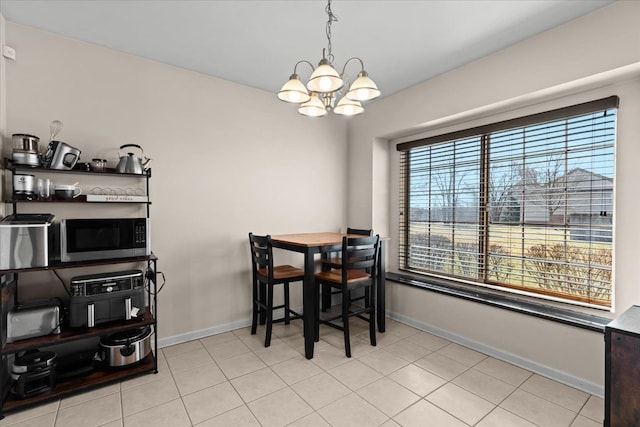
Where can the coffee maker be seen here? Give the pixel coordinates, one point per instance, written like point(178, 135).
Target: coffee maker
point(24, 186)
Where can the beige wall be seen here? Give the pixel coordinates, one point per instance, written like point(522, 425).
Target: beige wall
point(227, 159)
point(594, 56)
point(3, 104)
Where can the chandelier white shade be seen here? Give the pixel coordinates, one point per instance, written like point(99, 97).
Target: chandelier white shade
point(324, 78)
point(348, 107)
point(326, 85)
point(363, 89)
point(313, 107)
point(294, 91)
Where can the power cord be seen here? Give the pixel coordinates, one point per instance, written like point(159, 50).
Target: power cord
point(62, 282)
point(147, 285)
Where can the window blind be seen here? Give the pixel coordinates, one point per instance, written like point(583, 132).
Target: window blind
point(526, 208)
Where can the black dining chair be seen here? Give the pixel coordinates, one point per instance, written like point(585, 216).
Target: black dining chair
point(357, 270)
point(334, 260)
point(264, 277)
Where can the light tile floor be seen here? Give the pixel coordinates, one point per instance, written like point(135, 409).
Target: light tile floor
point(412, 378)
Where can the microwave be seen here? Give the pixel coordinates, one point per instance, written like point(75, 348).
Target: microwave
point(103, 238)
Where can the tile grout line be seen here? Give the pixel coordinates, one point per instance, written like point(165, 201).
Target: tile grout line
point(287, 338)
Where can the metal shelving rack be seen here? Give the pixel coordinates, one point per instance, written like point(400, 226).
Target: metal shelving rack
point(101, 376)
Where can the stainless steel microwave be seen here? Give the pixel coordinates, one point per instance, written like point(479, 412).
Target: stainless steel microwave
point(103, 238)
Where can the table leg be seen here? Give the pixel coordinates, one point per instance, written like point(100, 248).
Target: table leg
point(308, 302)
point(380, 289)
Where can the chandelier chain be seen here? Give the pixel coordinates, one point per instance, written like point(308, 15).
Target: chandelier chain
point(332, 18)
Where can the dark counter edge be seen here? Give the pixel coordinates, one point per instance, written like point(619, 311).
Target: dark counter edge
point(540, 310)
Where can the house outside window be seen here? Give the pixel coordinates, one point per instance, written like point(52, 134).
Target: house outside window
point(524, 205)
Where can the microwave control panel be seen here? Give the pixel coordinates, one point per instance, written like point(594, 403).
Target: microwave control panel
point(141, 234)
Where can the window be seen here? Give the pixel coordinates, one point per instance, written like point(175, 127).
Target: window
point(525, 204)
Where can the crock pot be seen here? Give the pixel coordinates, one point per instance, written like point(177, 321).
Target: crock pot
point(125, 348)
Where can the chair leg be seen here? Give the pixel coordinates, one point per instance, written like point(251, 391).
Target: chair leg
point(345, 321)
point(255, 306)
point(372, 316)
point(262, 292)
point(366, 297)
point(287, 317)
point(267, 338)
point(316, 313)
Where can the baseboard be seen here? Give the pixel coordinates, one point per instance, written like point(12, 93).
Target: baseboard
point(202, 333)
point(546, 371)
point(214, 330)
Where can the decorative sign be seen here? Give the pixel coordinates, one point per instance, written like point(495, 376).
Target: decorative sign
point(116, 198)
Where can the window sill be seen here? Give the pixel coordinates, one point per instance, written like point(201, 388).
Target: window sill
point(540, 310)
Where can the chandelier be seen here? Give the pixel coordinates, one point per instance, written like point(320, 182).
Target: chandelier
point(325, 85)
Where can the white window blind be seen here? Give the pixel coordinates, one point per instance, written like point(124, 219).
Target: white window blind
point(526, 204)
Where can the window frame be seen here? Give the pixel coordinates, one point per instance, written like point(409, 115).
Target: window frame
point(595, 106)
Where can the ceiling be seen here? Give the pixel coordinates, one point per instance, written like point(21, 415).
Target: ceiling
point(257, 43)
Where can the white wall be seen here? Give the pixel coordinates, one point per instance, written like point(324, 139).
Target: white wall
point(591, 57)
point(227, 159)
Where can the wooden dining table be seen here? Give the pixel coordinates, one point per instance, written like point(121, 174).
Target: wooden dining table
point(311, 244)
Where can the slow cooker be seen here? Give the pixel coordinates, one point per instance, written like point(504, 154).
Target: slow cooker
point(125, 348)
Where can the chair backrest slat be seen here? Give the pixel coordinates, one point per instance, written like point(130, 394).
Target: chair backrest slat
point(361, 231)
point(359, 253)
point(261, 254)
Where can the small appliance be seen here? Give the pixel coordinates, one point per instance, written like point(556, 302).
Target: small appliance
point(34, 319)
point(125, 348)
point(75, 364)
point(24, 186)
point(103, 238)
point(26, 241)
point(61, 156)
point(106, 297)
point(33, 373)
point(25, 150)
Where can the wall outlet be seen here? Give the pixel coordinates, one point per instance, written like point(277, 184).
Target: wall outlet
point(9, 52)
